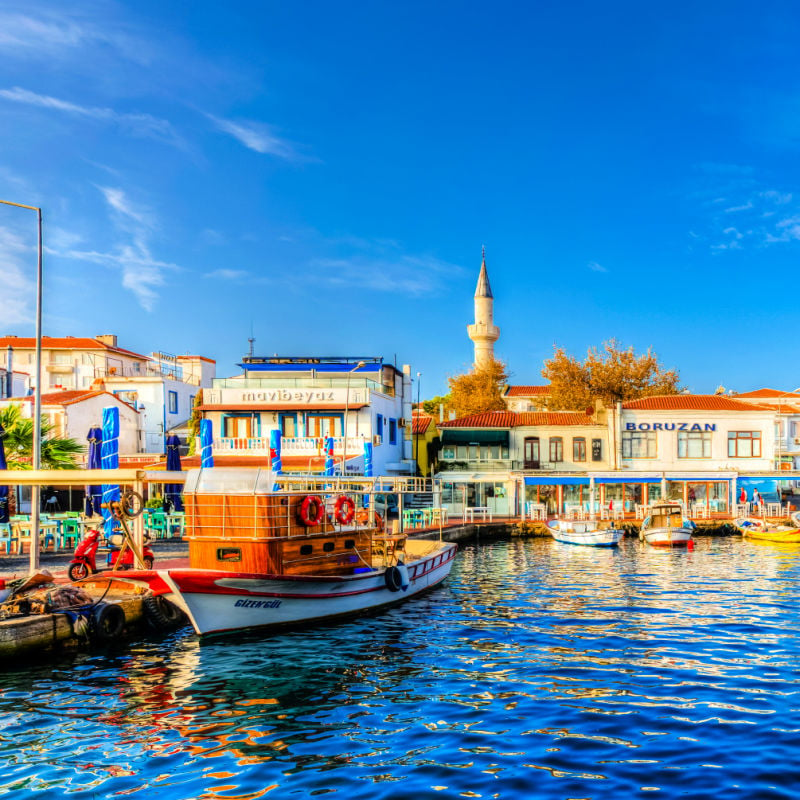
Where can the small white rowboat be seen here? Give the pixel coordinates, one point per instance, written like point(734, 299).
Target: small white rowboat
point(586, 533)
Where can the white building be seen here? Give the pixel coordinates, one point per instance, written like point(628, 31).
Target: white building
point(354, 400)
point(787, 424)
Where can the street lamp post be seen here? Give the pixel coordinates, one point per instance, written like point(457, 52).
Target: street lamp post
point(346, 414)
point(37, 396)
point(416, 433)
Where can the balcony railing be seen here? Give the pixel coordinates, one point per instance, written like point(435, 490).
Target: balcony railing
point(299, 445)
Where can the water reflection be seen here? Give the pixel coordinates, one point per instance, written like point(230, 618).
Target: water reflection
point(538, 669)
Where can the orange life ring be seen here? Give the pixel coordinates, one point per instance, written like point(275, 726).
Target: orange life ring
point(312, 511)
point(344, 509)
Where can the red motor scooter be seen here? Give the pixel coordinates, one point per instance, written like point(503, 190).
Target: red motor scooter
point(83, 561)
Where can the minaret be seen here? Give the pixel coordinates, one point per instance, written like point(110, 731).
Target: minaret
point(483, 332)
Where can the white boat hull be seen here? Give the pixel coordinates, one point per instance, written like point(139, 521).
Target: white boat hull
point(592, 537)
point(667, 537)
point(219, 602)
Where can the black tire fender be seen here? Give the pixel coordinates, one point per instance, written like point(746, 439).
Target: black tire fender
point(161, 613)
point(393, 579)
point(109, 621)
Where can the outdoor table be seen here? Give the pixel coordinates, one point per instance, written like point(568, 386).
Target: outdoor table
point(470, 512)
point(742, 509)
point(700, 510)
point(439, 515)
point(46, 529)
point(573, 510)
point(773, 509)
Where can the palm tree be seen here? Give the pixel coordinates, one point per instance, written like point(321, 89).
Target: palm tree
point(58, 452)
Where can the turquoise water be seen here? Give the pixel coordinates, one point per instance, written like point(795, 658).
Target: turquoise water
point(537, 670)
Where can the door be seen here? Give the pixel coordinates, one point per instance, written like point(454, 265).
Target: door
point(531, 453)
point(322, 426)
point(288, 425)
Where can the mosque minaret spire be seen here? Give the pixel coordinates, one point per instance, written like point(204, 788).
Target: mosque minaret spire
point(483, 332)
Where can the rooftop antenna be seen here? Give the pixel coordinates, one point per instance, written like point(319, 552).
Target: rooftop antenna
point(251, 341)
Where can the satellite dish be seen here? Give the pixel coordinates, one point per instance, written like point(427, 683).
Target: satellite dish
point(589, 411)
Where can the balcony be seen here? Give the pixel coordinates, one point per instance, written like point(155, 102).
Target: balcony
point(295, 446)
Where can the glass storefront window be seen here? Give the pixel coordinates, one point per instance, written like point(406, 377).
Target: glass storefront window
point(461, 452)
point(653, 493)
point(675, 490)
point(633, 495)
point(448, 452)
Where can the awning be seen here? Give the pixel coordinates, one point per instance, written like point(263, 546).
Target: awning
point(631, 479)
point(557, 480)
point(461, 436)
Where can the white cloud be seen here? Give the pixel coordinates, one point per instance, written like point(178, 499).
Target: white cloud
point(259, 137)
point(118, 200)
point(595, 267)
point(227, 274)
point(143, 125)
point(16, 278)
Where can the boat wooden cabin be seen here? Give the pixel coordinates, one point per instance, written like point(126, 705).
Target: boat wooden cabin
point(236, 522)
point(666, 515)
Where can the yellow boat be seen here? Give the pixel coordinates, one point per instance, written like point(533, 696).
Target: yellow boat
point(755, 528)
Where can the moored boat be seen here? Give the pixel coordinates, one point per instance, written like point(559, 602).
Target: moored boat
point(666, 526)
point(760, 528)
point(583, 532)
point(260, 558)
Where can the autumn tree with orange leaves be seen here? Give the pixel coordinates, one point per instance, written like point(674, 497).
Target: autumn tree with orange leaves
point(479, 390)
point(611, 373)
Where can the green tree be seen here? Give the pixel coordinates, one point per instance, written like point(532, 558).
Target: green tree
point(431, 406)
point(479, 390)
point(612, 374)
point(194, 421)
point(58, 452)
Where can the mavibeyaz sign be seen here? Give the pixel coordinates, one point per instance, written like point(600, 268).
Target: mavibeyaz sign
point(670, 426)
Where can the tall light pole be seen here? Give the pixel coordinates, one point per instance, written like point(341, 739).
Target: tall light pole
point(416, 433)
point(346, 413)
point(37, 396)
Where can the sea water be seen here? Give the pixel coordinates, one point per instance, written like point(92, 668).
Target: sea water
point(537, 670)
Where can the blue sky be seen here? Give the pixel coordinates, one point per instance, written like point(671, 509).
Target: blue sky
point(326, 173)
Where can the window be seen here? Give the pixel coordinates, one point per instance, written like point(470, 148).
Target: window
point(744, 444)
point(448, 452)
point(597, 449)
point(639, 444)
point(173, 402)
point(191, 400)
point(379, 425)
point(392, 431)
point(694, 444)
point(556, 449)
point(579, 449)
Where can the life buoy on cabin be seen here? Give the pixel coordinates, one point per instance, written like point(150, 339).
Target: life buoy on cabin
point(312, 511)
point(344, 509)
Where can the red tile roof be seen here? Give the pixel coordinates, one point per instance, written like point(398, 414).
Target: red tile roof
point(65, 343)
point(514, 419)
point(767, 393)
point(527, 391)
point(68, 397)
point(420, 423)
point(690, 402)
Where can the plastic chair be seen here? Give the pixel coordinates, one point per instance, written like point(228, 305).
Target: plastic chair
point(6, 536)
point(70, 532)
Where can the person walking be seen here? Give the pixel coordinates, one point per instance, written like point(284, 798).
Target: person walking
point(743, 496)
point(757, 499)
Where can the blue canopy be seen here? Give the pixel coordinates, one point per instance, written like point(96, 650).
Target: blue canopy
point(172, 491)
point(630, 479)
point(367, 459)
point(3, 489)
point(329, 456)
point(109, 459)
point(557, 480)
point(206, 441)
point(93, 493)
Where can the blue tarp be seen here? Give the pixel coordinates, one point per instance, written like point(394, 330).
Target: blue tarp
point(94, 495)
point(109, 457)
point(767, 488)
point(629, 479)
point(206, 441)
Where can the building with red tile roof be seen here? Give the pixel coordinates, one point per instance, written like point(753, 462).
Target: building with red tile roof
point(526, 398)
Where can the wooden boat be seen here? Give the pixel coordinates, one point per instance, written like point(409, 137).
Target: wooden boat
point(667, 526)
point(264, 559)
point(760, 528)
point(579, 532)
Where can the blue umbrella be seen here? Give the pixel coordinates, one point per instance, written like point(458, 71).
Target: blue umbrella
point(329, 456)
point(93, 493)
point(3, 489)
point(172, 491)
point(109, 459)
point(367, 459)
point(206, 439)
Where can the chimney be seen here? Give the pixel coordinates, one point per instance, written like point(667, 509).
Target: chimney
point(441, 412)
point(107, 338)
